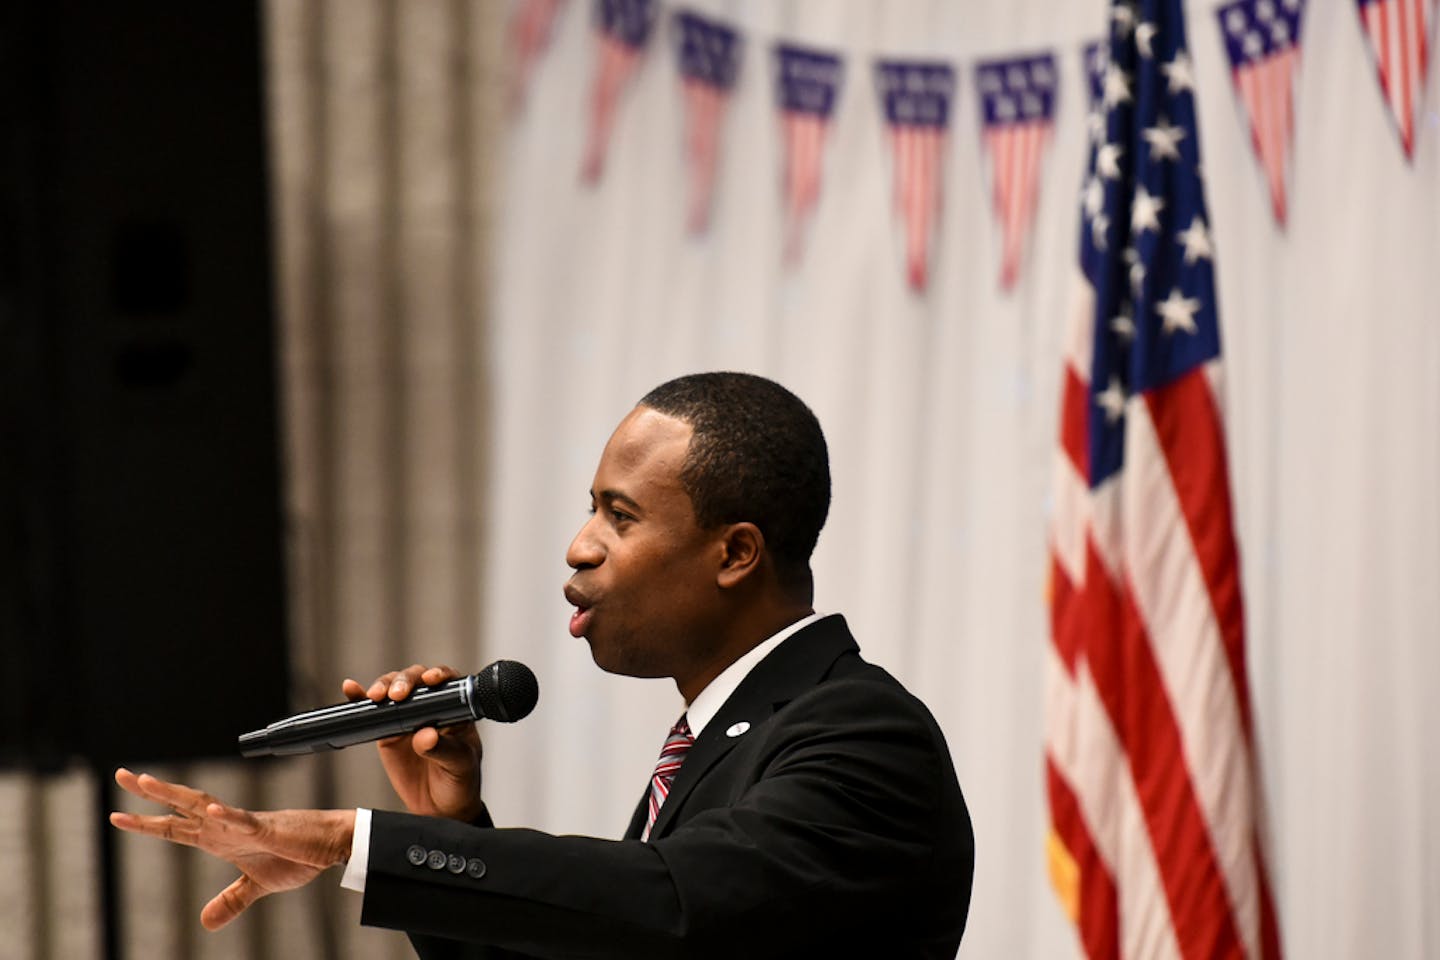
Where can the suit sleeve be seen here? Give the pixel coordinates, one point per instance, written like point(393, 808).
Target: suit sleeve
point(847, 811)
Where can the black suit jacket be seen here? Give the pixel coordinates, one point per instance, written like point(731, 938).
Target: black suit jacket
point(833, 825)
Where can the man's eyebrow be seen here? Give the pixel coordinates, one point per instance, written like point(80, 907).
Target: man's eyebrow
point(615, 496)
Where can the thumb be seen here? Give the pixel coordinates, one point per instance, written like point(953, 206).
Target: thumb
point(230, 903)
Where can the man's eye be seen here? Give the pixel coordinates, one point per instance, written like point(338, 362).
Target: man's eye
point(620, 515)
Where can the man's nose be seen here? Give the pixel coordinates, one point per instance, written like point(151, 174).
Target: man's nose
point(585, 549)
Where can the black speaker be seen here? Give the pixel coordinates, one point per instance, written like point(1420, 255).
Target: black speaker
point(141, 584)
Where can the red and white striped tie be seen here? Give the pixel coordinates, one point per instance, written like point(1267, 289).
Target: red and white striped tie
point(671, 756)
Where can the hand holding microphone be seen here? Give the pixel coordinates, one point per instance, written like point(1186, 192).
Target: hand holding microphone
point(436, 769)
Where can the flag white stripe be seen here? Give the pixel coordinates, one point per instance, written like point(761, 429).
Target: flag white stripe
point(1174, 601)
point(1085, 749)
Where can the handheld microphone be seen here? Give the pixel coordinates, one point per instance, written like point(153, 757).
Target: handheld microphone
point(505, 691)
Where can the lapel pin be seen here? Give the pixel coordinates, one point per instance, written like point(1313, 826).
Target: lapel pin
point(738, 728)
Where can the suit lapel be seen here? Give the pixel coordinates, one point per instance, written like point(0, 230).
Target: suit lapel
point(789, 670)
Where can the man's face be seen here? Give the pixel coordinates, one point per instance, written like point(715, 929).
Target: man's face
point(644, 586)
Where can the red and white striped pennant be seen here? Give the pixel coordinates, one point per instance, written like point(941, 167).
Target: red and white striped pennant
point(807, 84)
point(1400, 34)
point(622, 28)
point(1262, 38)
point(1017, 105)
point(709, 62)
point(916, 99)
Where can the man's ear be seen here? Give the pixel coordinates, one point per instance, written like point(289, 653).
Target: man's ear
point(744, 547)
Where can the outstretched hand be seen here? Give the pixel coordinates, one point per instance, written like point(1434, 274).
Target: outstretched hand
point(275, 850)
point(436, 773)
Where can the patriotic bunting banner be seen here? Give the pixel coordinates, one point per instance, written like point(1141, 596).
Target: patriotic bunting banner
point(1262, 38)
point(807, 84)
point(709, 62)
point(1155, 845)
point(622, 28)
point(1400, 39)
point(530, 26)
point(1017, 111)
point(916, 99)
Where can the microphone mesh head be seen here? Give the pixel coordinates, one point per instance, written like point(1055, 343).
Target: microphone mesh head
point(506, 691)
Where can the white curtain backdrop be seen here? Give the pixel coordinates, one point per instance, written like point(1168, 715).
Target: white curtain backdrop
point(941, 415)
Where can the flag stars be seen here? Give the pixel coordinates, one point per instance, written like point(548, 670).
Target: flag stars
point(1145, 211)
point(1137, 270)
point(1117, 86)
point(1144, 35)
point(1164, 140)
point(1112, 400)
point(1107, 160)
point(1123, 15)
point(1178, 312)
point(1123, 326)
point(1094, 197)
point(1196, 240)
point(1095, 121)
point(1099, 231)
point(1178, 75)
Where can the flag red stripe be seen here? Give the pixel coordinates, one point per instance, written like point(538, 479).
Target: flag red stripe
point(1129, 683)
point(1099, 911)
point(1074, 421)
point(1064, 624)
point(1187, 427)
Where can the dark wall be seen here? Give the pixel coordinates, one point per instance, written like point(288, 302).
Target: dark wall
point(141, 604)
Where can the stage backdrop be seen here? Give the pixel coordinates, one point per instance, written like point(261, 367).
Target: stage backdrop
point(941, 408)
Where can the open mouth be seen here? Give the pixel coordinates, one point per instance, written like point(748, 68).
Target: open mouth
point(584, 607)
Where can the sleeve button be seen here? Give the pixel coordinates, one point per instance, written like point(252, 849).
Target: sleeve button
point(456, 863)
point(475, 869)
point(416, 854)
point(437, 860)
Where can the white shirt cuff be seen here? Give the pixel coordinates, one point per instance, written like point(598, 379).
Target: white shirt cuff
point(359, 863)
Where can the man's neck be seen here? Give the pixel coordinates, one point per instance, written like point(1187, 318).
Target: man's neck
point(746, 637)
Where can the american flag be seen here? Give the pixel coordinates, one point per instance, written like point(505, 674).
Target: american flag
point(916, 100)
point(1017, 109)
point(530, 25)
point(709, 61)
point(1263, 40)
point(622, 28)
point(1155, 846)
point(806, 87)
point(1400, 33)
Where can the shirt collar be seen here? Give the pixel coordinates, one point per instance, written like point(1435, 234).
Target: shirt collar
point(709, 701)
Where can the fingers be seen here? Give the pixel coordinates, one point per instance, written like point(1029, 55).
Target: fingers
point(178, 796)
point(230, 903)
point(398, 684)
point(182, 830)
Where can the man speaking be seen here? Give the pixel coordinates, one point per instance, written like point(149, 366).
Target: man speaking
point(803, 805)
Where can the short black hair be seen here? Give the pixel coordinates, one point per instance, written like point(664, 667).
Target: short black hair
point(757, 454)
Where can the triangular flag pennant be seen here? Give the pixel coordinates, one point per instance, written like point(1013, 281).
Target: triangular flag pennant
point(1399, 32)
point(807, 84)
point(622, 28)
point(1263, 40)
point(709, 63)
point(530, 26)
point(915, 96)
point(1017, 110)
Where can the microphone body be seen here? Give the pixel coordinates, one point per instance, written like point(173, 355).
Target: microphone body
point(505, 691)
